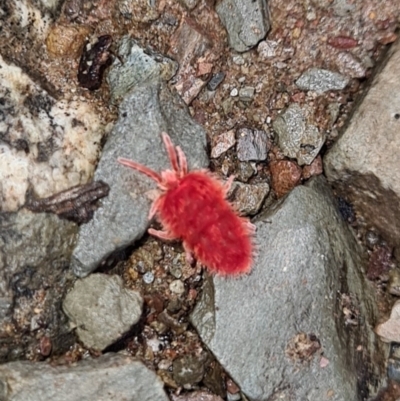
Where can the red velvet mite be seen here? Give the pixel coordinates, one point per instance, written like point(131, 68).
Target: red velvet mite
point(192, 207)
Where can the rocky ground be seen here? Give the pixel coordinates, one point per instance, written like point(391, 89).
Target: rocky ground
point(299, 100)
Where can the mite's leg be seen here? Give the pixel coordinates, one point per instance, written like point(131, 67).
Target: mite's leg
point(228, 184)
point(171, 151)
point(139, 167)
point(182, 162)
point(161, 234)
point(188, 255)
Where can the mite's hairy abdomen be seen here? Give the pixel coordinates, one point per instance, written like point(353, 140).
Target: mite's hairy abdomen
point(197, 212)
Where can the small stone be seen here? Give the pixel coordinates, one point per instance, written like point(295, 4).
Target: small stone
point(315, 168)
point(176, 271)
point(246, 22)
point(350, 66)
point(245, 171)
point(267, 49)
point(102, 309)
point(174, 305)
point(233, 397)
point(238, 60)
point(177, 287)
point(298, 139)
point(215, 81)
point(246, 94)
point(66, 40)
point(234, 92)
point(252, 145)
point(393, 285)
point(285, 176)
point(389, 331)
point(248, 199)
point(222, 143)
point(371, 239)
point(148, 277)
point(188, 370)
point(320, 81)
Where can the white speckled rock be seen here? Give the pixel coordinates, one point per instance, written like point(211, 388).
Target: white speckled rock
point(47, 143)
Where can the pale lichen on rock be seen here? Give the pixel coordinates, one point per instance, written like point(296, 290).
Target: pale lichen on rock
point(46, 143)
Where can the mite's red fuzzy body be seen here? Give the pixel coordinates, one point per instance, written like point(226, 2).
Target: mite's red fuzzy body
point(192, 207)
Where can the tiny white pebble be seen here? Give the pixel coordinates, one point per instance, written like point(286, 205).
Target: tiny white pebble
point(148, 277)
point(177, 287)
point(234, 92)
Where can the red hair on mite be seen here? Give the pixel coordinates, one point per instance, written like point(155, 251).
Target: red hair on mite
point(193, 208)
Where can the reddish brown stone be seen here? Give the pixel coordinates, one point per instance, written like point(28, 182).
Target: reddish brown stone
point(285, 176)
point(315, 168)
point(342, 42)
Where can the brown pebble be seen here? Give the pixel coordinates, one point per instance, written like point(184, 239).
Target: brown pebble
point(315, 168)
point(285, 176)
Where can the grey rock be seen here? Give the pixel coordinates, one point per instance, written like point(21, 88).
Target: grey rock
point(35, 250)
point(144, 113)
point(109, 377)
point(245, 171)
point(320, 81)
point(246, 94)
point(248, 199)
point(307, 260)
point(252, 145)
point(343, 8)
point(102, 309)
point(188, 370)
point(222, 143)
point(298, 139)
point(350, 66)
point(363, 165)
point(189, 4)
point(138, 67)
point(247, 22)
point(215, 81)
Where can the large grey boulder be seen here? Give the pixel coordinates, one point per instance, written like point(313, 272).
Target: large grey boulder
point(110, 377)
point(300, 325)
point(364, 164)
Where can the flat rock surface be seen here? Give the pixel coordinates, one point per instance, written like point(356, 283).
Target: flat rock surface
point(109, 377)
point(144, 113)
point(306, 265)
point(102, 309)
point(364, 164)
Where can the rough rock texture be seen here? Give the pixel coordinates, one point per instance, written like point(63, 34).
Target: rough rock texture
point(110, 377)
point(102, 309)
point(305, 279)
point(247, 22)
point(48, 144)
point(35, 250)
point(246, 198)
point(144, 113)
point(297, 137)
point(138, 66)
point(320, 81)
point(389, 331)
point(364, 164)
